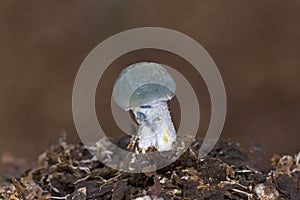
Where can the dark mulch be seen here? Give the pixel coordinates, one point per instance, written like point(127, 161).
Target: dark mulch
point(66, 171)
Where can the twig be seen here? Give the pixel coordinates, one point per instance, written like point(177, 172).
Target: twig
point(243, 192)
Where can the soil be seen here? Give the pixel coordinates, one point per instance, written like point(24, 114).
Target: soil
point(69, 171)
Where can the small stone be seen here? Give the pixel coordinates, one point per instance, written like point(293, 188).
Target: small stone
point(266, 191)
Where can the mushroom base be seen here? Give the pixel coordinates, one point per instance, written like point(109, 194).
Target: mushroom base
point(156, 128)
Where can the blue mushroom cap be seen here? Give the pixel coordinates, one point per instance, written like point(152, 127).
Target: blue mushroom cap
point(142, 83)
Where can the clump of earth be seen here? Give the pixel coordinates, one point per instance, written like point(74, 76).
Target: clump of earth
point(69, 171)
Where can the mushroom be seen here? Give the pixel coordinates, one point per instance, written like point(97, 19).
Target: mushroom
point(145, 89)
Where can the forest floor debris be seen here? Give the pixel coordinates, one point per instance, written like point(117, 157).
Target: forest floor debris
point(67, 171)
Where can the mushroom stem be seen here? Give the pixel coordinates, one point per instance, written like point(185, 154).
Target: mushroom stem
point(155, 126)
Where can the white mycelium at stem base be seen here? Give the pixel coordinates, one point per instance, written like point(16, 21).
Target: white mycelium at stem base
point(155, 126)
point(145, 89)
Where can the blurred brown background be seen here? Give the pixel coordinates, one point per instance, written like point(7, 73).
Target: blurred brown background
point(255, 44)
